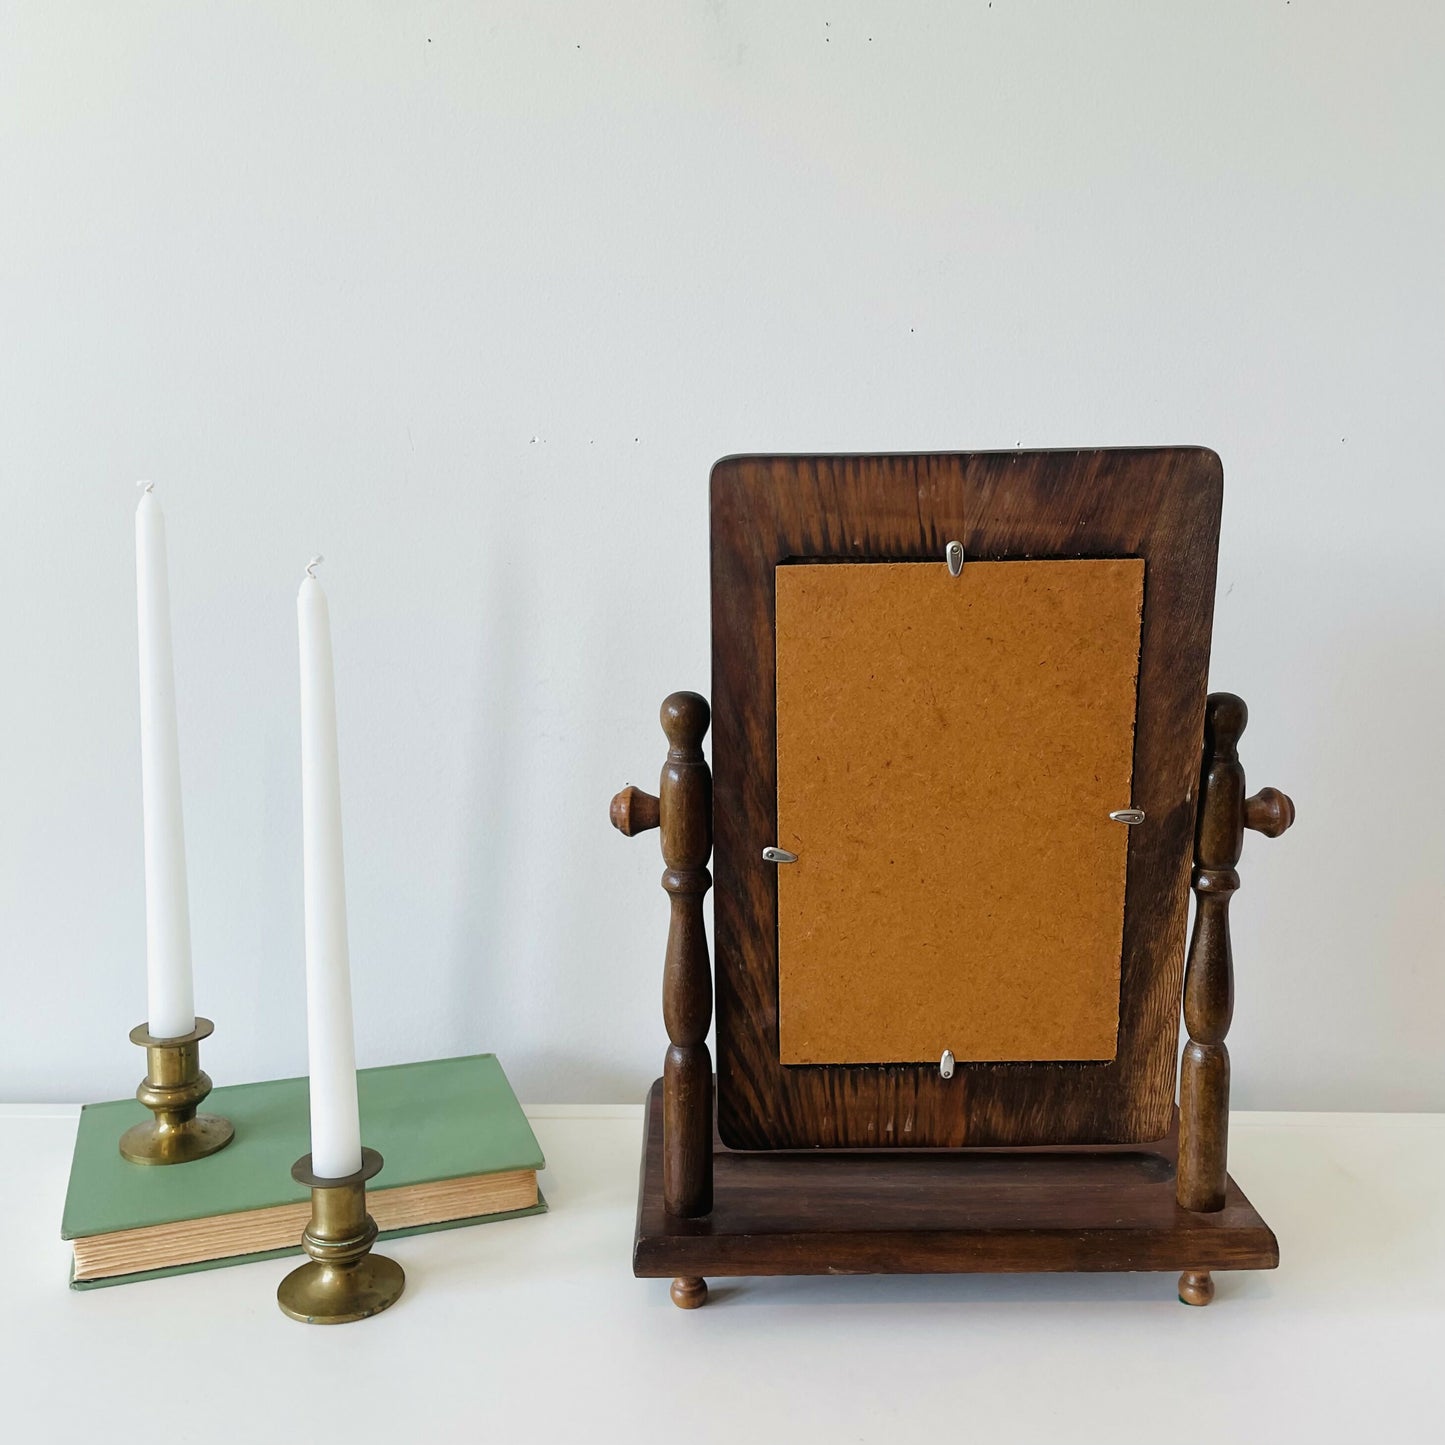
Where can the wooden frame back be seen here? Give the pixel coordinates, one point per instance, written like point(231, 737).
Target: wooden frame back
point(1159, 504)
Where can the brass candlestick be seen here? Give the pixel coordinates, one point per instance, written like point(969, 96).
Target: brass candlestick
point(172, 1088)
point(343, 1280)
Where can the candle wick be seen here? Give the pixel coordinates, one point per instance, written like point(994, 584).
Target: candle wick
point(312, 565)
point(146, 486)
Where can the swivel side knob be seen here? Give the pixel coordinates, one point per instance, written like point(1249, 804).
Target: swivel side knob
point(1269, 812)
point(633, 811)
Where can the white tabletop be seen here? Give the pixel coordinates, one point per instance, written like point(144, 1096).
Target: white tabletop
point(535, 1330)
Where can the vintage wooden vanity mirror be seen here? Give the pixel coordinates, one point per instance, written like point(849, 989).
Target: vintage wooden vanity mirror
point(963, 762)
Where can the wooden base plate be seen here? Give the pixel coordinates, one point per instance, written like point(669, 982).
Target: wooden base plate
point(985, 1211)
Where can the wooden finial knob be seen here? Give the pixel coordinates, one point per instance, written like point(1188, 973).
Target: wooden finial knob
point(689, 1292)
point(1269, 812)
point(685, 718)
point(1227, 717)
point(1196, 1287)
point(633, 811)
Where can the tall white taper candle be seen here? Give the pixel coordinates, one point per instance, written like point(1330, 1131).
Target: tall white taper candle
point(335, 1119)
point(170, 1004)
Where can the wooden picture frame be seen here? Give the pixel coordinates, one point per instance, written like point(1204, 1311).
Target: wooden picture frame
point(1161, 505)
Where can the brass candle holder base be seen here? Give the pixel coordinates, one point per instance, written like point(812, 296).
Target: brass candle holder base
point(343, 1280)
point(173, 1087)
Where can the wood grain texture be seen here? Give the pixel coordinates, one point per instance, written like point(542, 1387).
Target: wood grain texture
point(1196, 1287)
point(1269, 812)
point(689, 1292)
point(1209, 976)
point(949, 752)
point(1161, 505)
point(1224, 814)
point(941, 1212)
point(685, 822)
point(633, 812)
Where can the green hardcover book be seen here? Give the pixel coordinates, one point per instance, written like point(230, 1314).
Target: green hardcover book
point(457, 1149)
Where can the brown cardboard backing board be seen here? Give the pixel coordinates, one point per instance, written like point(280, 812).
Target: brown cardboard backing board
point(1158, 504)
point(949, 751)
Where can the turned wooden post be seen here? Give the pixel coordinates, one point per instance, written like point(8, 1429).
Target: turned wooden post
point(1224, 814)
point(683, 812)
point(685, 818)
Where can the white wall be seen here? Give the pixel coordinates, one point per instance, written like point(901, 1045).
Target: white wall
point(468, 297)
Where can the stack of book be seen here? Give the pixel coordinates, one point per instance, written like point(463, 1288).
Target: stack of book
point(457, 1148)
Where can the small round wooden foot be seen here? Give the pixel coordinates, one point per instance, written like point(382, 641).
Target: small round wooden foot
point(1196, 1287)
point(689, 1292)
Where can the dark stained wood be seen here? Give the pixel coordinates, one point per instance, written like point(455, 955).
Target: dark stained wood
point(1196, 1287)
point(1135, 1186)
point(1162, 505)
point(1209, 977)
point(939, 1211)
point(1269, 812)
point(683, 813)
point(1224, 813)
point(633, 811)
point(685, 820)
point(689, 1292)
